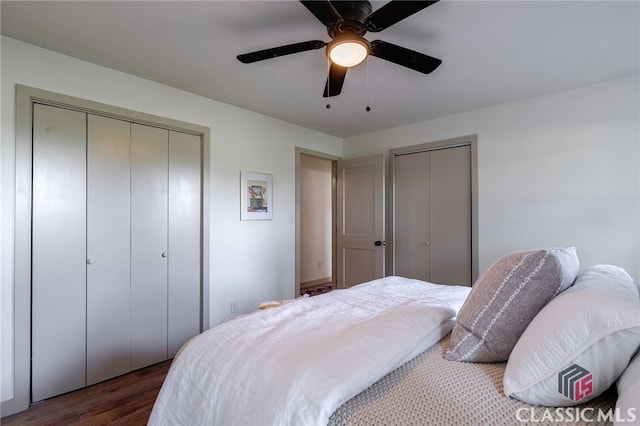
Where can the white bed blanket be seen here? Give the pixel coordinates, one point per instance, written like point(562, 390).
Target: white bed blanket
point(297, 363)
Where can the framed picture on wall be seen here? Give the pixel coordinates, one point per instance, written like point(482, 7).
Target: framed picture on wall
point(256, 201)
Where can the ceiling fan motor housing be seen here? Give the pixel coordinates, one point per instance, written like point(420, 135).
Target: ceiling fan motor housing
point(354, 15)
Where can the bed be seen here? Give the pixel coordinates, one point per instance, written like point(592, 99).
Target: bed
point(404, 351)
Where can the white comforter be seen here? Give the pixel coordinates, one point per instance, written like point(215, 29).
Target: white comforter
point(297, 363)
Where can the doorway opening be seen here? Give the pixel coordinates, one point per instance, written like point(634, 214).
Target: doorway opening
point(316, 223)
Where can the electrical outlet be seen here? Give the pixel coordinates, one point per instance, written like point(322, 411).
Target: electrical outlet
point(234, 307)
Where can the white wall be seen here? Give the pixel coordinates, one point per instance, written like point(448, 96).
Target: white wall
point(250, 262)
point(555, 170)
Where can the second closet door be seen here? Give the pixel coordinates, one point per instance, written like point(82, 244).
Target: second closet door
point(149, 218)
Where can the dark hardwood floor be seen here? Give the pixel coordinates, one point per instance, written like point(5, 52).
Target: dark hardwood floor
point(125, 400)
point(316, 290)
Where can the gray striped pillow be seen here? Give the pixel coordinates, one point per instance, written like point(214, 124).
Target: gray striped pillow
point(505, 299)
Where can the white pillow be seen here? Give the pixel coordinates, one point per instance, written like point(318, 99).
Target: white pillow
point(628, 403)
point(578, 344)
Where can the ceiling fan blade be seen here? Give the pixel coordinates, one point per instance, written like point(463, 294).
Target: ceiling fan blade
point(323, 10)
point(274, 52)
point(406, 57)
point(394, 12)
point(333, 86)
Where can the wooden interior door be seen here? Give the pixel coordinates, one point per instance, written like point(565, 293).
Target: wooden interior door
point(360, 220)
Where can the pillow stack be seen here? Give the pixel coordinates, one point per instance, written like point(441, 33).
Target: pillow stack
point(505, 299)
point(580, 343)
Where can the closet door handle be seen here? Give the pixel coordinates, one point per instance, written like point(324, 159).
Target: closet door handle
point(164, 254)
point(90, 261)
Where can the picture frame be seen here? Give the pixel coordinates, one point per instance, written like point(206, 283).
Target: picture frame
point(256, 196)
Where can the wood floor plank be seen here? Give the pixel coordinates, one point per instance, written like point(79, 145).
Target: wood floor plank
point(125, 400)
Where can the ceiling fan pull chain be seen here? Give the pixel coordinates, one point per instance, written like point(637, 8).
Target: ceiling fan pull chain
point(328, 82)
point(368, 108)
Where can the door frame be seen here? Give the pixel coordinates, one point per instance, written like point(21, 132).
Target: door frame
point(25, 98)
point(469, 140)
point(298, 170)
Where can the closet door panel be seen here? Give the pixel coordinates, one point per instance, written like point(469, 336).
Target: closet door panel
point(149, 187)
point(108, 248)
point(411, 240)
point(58, 251)
point(450, 218)
point(184, 240)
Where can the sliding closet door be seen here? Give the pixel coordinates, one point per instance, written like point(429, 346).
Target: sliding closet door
point(450, 215)
point(432, 215)
point(108, 248)
point(149, 218)
point(184, 239)
point(411, 216)
point(59, 251)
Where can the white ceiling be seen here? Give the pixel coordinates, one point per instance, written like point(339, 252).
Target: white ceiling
point(492, 51)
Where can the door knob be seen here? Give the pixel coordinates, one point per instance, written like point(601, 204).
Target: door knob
point(164, 254)
point(378, 243)
point(90, 261)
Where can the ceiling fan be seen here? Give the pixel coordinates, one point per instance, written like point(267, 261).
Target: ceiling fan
point(347, 22)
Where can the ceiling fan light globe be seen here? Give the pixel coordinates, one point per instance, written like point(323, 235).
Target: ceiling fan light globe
point(348, 53)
